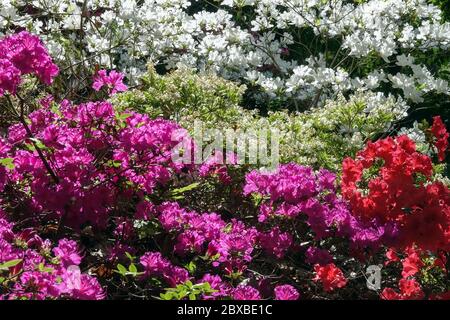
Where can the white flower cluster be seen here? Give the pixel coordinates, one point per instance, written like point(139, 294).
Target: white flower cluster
point(306, 50)
point(416, 134)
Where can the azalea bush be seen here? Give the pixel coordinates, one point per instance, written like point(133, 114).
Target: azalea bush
point(95, 202)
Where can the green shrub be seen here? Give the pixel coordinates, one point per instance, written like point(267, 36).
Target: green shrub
point(320, 137)
point(184, 96)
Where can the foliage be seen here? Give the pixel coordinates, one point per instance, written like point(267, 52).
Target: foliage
point(321, 137)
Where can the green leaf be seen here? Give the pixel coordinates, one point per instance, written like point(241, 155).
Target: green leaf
point(116, 163)
point(38, 143)
point(7, 163)
point(190, 187)
point(123, 116)
point(177, 197)
point(122, 270)
point(167, 296)
point(132, 268)
point(129, 256)
point(9, 264)
point(42, 268)
point(191, 267)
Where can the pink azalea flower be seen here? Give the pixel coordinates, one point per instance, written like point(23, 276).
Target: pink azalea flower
point(81, 286)
point(243, 292)
point(286, 292)
point(67, 252)
point(113, 81)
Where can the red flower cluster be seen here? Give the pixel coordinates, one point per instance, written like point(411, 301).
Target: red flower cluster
point(330, 276)
point(391, 181)
point(414, 264)
point(409, 290)
point(440, 132)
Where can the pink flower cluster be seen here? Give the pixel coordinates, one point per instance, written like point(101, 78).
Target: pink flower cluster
point(113, 81)
point(99, 158)
point(22, 54)
point(217, 166)
point(281, 292)
point(156, 265)
point(294, 190)
point(275, 242)
point(43, 272)
point(228, 245)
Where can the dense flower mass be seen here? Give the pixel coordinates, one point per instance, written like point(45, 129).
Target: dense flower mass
point(22, 54)
point(366, 45)
point(101, 201)
point(41, 274)
point(392, 170)
point(294, 191)
point(77, 138)
point(409, 290)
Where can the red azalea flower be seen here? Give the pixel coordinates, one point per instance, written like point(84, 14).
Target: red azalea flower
point(409, 290)
point(412, 263)
point(391, 256)
point(331, 276)
point(420, 208)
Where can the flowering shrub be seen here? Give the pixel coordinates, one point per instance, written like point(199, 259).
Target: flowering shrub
point(376, 45)
point(323, 137)
point(421, 272)
point(185, 96)
point(33, 268)
point(391, 170)
point(96, 157)
point(295, 191)
point(94, 202)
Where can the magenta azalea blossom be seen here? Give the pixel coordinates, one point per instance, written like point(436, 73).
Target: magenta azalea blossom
point(243, 292)
point(67, 252)
point(9, 77)
point(113, 81)
point(21, 54)
point(286, 292)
